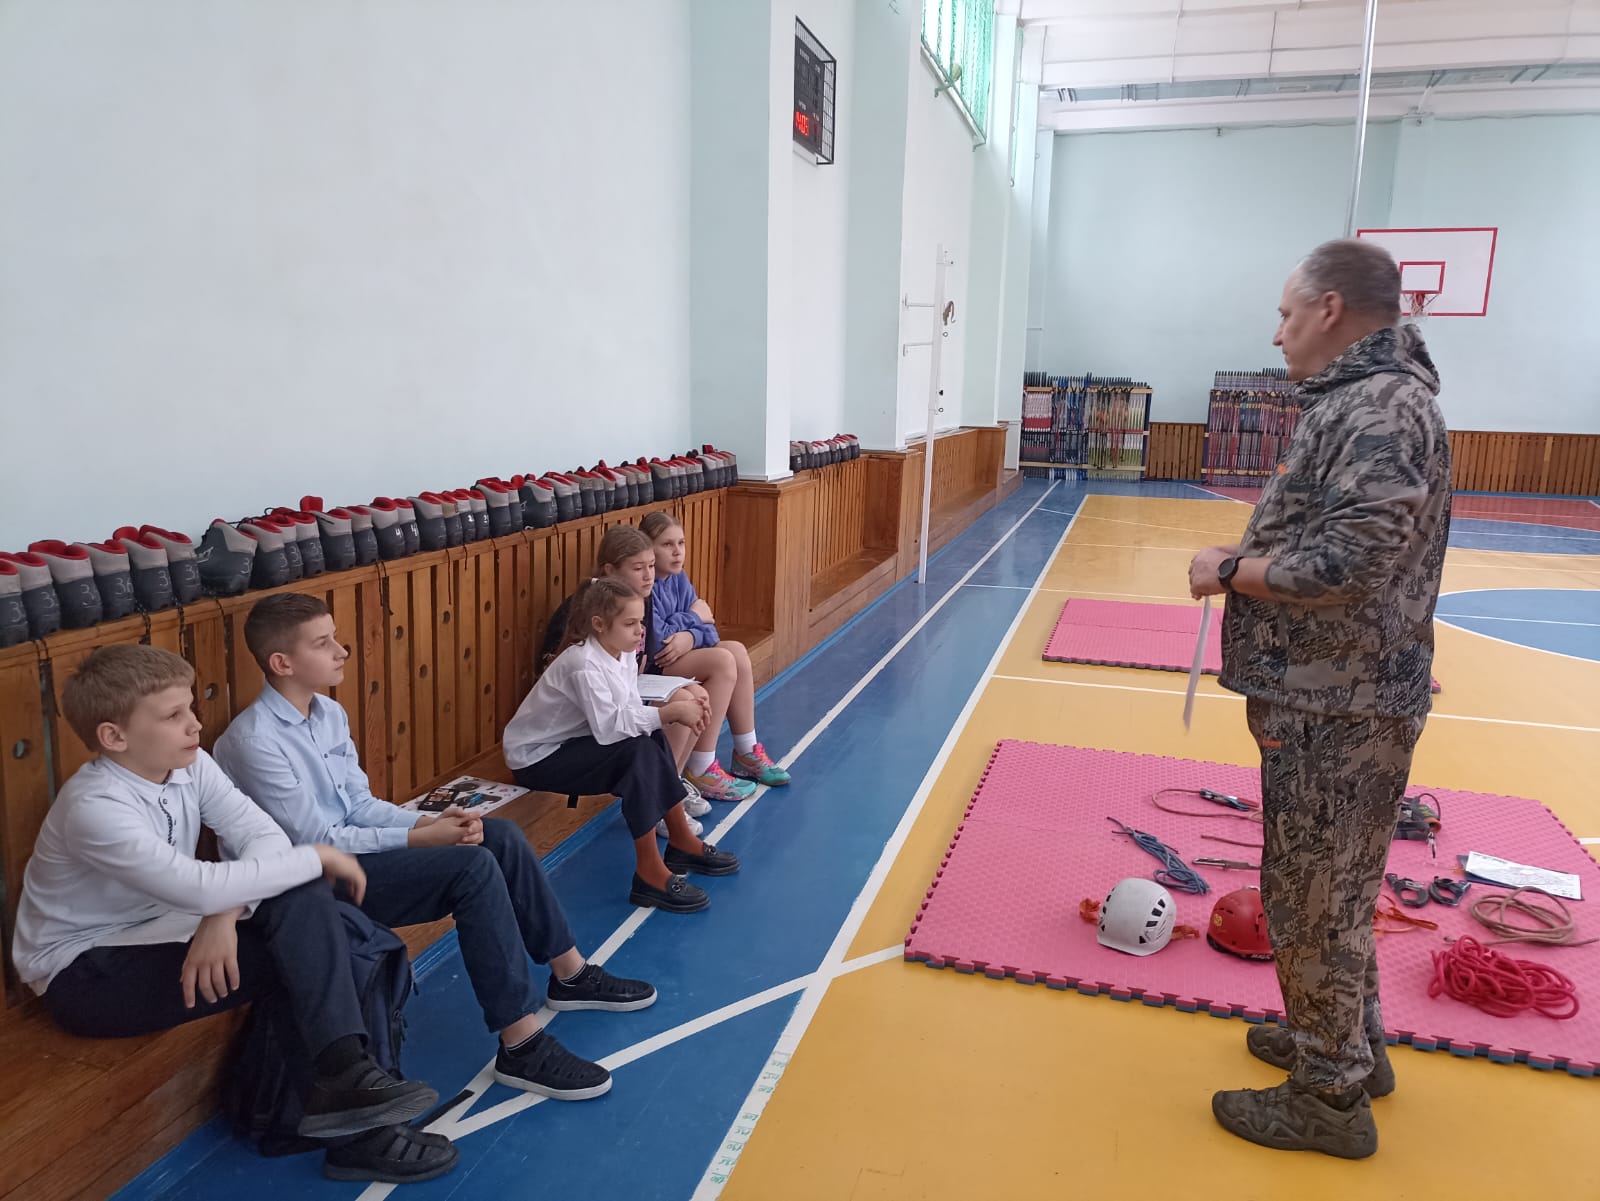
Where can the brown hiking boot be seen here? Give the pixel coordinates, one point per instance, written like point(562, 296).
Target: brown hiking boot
point(1288, 1118)
point(1275, 1045)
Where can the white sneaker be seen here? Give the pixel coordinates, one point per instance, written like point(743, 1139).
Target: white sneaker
point(694, 804)
point(695, 828)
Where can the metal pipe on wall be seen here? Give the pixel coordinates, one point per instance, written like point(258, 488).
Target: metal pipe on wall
point(1361, 116)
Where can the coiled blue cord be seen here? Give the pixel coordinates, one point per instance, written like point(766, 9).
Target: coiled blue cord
point(1173, 873)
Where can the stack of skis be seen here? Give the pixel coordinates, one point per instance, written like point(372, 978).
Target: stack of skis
point(1094, 425)
point(1250, 419)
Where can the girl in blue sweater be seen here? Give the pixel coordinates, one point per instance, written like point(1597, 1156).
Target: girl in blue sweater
point(691, 646)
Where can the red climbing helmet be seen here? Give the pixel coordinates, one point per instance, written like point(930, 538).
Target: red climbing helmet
point(1239, 925)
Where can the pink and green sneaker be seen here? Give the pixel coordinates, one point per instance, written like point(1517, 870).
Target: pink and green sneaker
point(718, 785)
point(758, 766)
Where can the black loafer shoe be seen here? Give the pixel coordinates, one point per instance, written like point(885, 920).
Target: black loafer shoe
point(710, 861)
point(679, 896)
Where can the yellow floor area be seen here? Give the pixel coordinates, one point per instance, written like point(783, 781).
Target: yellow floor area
point(916, 1083)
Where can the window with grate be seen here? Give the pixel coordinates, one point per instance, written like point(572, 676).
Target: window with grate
point(815, 76)
point(960, 34)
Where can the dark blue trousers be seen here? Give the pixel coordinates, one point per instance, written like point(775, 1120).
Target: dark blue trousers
point(504, 907)
point(294, 943)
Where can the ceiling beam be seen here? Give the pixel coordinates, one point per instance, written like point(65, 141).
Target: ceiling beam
point(1525, 100)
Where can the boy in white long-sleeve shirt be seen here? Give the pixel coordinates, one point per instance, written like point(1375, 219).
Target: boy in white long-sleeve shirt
point(123, 931)
point(584, 730)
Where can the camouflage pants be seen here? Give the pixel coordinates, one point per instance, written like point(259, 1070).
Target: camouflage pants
point(1330, 792)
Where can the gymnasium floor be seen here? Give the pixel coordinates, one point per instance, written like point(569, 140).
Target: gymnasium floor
point(794, 1055)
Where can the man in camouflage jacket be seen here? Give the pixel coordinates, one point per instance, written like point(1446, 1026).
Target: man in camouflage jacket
point(1328, 633)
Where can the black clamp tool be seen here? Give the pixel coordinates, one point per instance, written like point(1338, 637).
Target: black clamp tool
point(1447, 891)
point(1411, 893)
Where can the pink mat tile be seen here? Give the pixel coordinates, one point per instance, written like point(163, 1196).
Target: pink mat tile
point(1035, 843)
point(1130, 634)
point(1122, 634)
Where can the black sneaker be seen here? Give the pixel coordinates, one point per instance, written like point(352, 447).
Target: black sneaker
point(596, 988)
point(302, 527)
point(149, 570)
point(408, 525)
point(453, 535)
point(538, 503)
point(187, 586)
point(566, 492)
point(226, 559)
point(336, 531)
point(362, 1098)
point(270, 566)
point(73, 577)
point(386, 525)
point(363, 534)
point(542, 1065)
point(13, 613)
point(113, 576)
point(478, 507)
point(392, 1155)
point(710, 861)
point(679, 896)
point(429, 508)
point(39, 600)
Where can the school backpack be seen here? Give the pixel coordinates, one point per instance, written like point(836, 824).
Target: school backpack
point(264, 1090)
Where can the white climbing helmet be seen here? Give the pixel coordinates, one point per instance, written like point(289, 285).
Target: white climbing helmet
point(1137, 917)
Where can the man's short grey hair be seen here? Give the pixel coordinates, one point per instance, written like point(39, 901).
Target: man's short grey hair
point(1360, 271)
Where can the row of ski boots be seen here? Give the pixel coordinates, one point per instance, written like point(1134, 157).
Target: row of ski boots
point(819, 454)
point(55, 585)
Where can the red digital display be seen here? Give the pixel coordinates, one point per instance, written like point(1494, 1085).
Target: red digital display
point(802, 124)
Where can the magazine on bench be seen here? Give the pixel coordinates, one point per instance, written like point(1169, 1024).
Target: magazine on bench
point(653, 690)
point(467, 792)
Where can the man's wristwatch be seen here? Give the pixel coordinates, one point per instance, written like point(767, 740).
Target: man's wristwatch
point(1226, 570)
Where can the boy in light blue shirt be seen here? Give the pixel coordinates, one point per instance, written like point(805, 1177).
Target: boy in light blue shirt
point(291, 752)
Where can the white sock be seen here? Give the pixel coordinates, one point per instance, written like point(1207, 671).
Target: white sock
point(744, 743)
point(700, 762)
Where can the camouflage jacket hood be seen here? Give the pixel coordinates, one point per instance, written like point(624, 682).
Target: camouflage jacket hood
point(1355, 522)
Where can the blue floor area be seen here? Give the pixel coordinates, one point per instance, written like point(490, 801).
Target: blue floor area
point(807, 851)
point(1474, 533)
point(1563, 620)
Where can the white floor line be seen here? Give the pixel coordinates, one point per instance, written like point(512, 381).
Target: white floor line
point(1593, 535)
point(1219, 495)
point(463, 1120)
point(1177, 694)
point(1171, 600)
point(1151, 525)
point(1537, 621)
point(722, 1165)
point(1589, 842)
point(1188, 550)
point(1507, 642)
point(1002, 587)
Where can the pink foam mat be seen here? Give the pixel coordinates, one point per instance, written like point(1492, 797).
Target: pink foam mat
point(1124, 634)
point(1129, 634)
point(1035, 843)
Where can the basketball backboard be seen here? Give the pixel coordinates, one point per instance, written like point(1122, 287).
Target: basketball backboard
point(1457, 264)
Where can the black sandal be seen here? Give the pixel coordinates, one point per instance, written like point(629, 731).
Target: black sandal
point(391, 1155)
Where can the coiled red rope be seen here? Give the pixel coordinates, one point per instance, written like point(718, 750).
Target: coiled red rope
point(1499, 985)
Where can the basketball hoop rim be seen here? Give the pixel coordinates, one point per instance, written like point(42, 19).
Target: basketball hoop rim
point(1419, 301)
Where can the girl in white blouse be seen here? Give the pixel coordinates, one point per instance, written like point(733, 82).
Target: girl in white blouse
point(584, 731)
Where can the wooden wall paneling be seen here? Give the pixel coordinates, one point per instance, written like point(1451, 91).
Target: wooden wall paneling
point(749, 564)
point(423, 634)
point(464, 570)
point(522, 646)
point(505, 604)
point(204, 639)
point(1177, 450)
point(791, 610)
point(65, 652)
point(448, 747)
point(911, 509)
point(370, 645)
point(344, 603)
point(489, 648)
point(397, 656)
point(25, 782)
point(880, 529)
point(245, 680)
point(549, 590)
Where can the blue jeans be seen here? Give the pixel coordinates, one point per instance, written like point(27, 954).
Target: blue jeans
point(504, 907)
